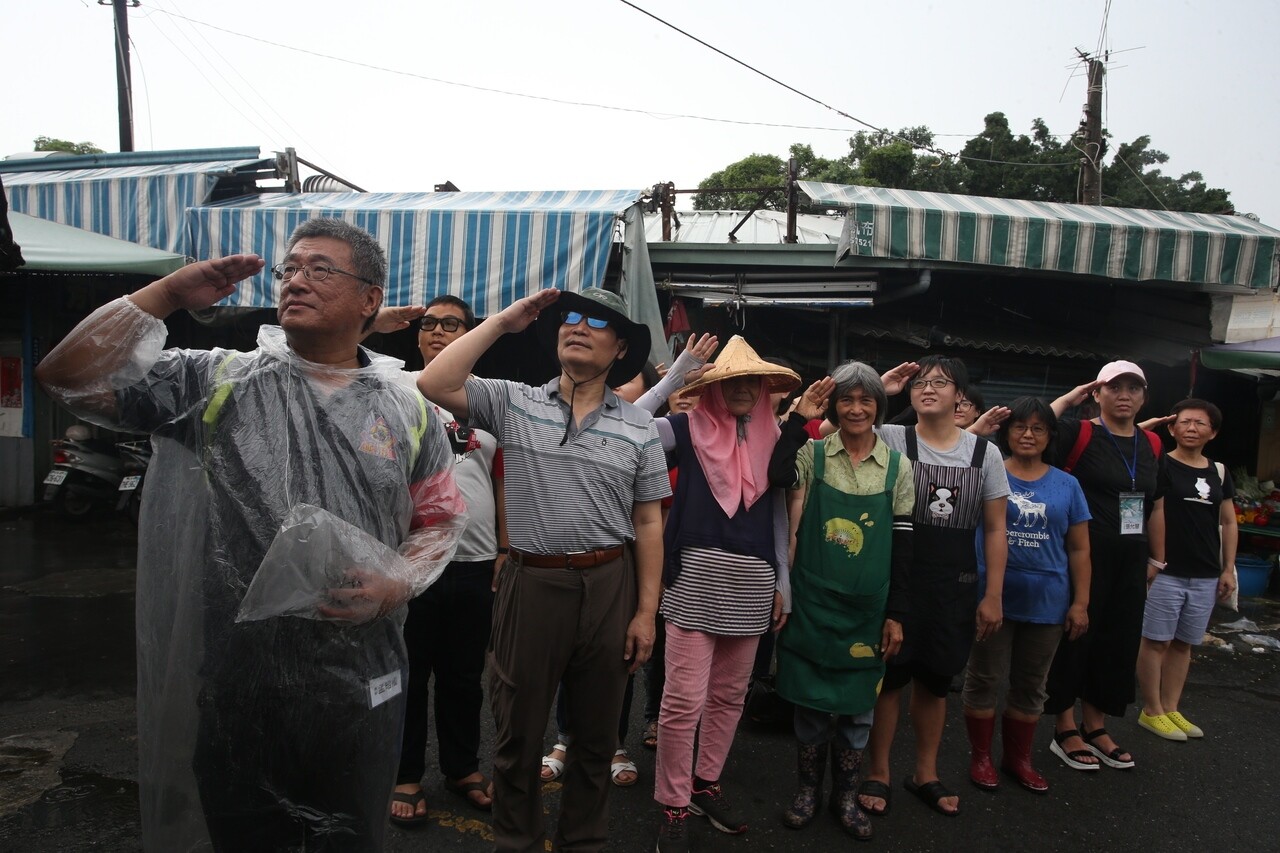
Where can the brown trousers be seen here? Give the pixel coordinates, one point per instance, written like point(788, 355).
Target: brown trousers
point(553, 626)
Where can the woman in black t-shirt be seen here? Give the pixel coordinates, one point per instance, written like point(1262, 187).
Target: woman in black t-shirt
point(1117, 471)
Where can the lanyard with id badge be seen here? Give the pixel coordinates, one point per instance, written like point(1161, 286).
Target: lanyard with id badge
point(1132, 518)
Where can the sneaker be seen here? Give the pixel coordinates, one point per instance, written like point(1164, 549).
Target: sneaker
point(1161, 726)
point(671, 830)
point(711, 802)
point(1189, 728)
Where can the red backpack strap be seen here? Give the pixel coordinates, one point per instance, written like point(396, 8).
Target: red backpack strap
point(1077, 449)
point(1157, 446)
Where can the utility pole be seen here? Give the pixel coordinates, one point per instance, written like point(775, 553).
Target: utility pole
point(1090, 134)
point(124, 76)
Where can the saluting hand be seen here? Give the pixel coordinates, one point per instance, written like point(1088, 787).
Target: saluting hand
point(702, 348)
point(519, 315)
point(895, 380)
point(813, 402)
point(394, 319)
point(202, 284)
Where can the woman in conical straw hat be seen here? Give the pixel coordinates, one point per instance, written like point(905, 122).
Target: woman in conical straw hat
point(724, 577)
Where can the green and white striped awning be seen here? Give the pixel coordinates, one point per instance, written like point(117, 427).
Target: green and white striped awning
point(1107, 242)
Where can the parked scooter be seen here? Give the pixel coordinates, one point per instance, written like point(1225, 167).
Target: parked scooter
point(136, 456)
point(86, 473)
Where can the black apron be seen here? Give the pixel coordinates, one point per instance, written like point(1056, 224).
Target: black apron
point(940, 629)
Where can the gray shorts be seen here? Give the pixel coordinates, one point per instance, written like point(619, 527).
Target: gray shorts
point(1179, 608)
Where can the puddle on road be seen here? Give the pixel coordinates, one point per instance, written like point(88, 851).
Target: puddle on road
point(29, 765)
point(80, 583)
point(84, 797)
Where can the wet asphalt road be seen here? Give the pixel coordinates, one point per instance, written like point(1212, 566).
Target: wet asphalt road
point(68, 765)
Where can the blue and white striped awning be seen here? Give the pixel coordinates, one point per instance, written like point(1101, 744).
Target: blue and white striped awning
point(1109, 242)
point(489, 248)
point(140, 204)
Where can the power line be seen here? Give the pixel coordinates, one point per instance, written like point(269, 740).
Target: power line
point(931, 149)
point(654, 114)
point(282, 120)
point(212, 85)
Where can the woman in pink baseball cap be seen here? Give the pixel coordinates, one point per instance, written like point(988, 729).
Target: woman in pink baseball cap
point(1116, 462)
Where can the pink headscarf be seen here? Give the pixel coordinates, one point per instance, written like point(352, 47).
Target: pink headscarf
point(737, 471)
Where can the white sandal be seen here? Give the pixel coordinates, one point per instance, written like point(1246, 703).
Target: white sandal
point(619, 767)
point(555, 765)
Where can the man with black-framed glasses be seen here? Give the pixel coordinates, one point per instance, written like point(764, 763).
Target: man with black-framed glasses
point(448, 625)
point(303, 493)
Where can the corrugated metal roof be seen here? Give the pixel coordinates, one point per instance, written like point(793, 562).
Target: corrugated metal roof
point(763, 226)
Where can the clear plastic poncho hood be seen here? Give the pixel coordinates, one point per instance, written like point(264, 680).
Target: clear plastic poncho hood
point(276, 715)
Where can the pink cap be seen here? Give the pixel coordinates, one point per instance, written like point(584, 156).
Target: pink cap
point(1114, 369)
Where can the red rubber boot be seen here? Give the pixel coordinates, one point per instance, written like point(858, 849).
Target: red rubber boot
point(1016, 761)
point(981, 771)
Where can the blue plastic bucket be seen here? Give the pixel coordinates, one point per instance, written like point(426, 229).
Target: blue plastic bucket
point(1254, 572)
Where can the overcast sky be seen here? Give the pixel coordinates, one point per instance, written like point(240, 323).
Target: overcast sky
point(1203, 85)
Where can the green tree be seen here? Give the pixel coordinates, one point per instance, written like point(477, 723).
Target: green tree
point(1129, 181)
point(767, 170)
point(1037, 166)
point(754, 170)
point(48, 143)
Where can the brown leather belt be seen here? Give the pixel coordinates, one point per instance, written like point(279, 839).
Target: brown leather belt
point(574, 560)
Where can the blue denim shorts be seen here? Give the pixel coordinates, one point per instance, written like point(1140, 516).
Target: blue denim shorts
point(1179, 608)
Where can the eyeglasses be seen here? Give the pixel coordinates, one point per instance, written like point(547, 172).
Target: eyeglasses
point(312, 272)
point(573, 318)
point(964, 406)
point(1196, 424)
point(1038, 430)
point(449, 324)
point(938, 383)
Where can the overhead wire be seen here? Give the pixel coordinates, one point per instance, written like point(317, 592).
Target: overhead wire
point(265, 132)
point(146, 94)
point(314, 150)
point(654, 114)
point(931, 149)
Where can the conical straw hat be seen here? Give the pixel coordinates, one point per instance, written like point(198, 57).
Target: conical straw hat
point(739, 359)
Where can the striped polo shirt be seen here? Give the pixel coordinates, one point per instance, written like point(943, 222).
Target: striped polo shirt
point(578, 496)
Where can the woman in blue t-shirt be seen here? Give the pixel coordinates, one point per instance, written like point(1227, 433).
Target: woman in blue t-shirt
point(1046, 590)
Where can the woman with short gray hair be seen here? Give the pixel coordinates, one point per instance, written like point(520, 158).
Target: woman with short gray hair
point(853, 498)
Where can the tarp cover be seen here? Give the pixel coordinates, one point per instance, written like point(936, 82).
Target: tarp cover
point(1249, 355)
point(1111, 242)
point(259, 730)
point(140, 204)
point(489, 248)
point(50, 246)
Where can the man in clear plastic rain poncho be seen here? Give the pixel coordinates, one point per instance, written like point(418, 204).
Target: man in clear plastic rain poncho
point(299, 495)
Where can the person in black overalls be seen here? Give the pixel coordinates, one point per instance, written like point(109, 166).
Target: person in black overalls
point(960, 485)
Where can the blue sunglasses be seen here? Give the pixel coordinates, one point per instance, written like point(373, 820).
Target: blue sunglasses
point(573, 318)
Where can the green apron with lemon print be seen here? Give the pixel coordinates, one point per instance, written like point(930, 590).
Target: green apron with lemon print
point(829, 656)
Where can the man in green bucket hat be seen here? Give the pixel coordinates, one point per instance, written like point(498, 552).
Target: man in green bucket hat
point(584, 477)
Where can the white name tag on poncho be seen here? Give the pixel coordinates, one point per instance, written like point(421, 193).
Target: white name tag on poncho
point(384, 688)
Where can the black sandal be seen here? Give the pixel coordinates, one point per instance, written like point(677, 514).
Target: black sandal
point(1072, 758)
point(1111, 759)
point(875, 788)
point(931, 794)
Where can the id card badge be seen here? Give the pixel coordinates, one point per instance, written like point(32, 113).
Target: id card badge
point(1131, 515)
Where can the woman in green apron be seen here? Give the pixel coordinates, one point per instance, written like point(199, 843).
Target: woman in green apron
point(853, 497)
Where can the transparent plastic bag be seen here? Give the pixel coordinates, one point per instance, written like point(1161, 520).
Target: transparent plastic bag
point(315, 555)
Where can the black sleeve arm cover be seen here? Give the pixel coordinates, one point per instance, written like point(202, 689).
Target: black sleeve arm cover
point(782, 464)
point(899, 603)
